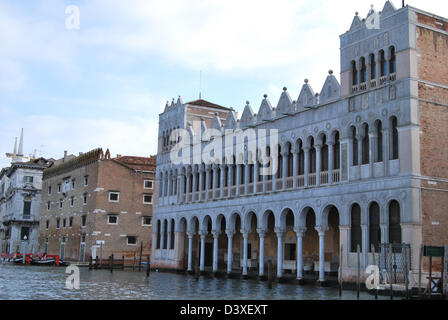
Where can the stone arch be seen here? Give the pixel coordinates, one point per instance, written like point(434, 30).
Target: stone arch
point(219, 222)
point(233, 218)
point(181, 225)
point(303, 214)
point(193, 224)
point(322, 218)
point(285, 216)
point(206, 223)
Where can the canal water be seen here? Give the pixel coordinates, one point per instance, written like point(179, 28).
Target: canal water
point(49, 283)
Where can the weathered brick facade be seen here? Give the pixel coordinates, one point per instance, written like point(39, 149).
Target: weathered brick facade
point(90, 179)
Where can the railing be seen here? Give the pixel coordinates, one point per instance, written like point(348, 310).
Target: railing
point(268, 185)
point(363, 86)
point(210, 194)
point(311, 179)
point(225, 191)
point(355, 88)
point(196, 195)
point(336, 175)
point(232, 191)
point(217, 192)
point(279, 184)
point(241, 189)
point(301, 181)
point(324, 177)
point(383, 80)
point(289, 182)
point(184, 197)
point(393, 76)
point(373, 83)
point(250, 188)
point(203, 195)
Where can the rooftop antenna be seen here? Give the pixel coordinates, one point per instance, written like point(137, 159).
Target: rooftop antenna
point(402, 3)
point(200, 83)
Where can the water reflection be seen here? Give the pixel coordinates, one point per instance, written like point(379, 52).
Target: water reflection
point(35, 282)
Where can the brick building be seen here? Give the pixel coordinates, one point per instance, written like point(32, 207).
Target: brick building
point(362, 163)
point(92, 201)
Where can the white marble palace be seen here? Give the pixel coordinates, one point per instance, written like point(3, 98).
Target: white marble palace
point(348, 167)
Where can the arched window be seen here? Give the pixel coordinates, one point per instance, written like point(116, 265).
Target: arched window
point(165, 234)
point(355, 146)
point(379, 141)
point(393, 60)
point(374, 226)
point(354, 74)
point(372, 67)
point(158, 235)
point(383, 64)
point(394, 138)
point(394, 222)
point(336, 152)
point(355, 229)
point(290, 162)
point(363, 70)
point(324, 154)
point(279, 162)
point(365, 144)
point(172, 235)
point(301, 159)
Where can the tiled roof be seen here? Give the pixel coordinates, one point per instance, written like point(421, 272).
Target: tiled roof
point(138, 163)
point(205, 103)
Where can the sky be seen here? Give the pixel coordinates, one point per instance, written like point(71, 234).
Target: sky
point(105, 83)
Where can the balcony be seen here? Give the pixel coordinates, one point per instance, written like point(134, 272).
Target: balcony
point(355, 88)
point(336, 175)
point(324, 177)
point(393, 76)
point(289, 182)
point(373, 83)
point(363, 86)
point(311, 179)
point(383, 80)
point(301, 181)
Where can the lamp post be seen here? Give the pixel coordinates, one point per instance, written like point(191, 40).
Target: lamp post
point(24, 249)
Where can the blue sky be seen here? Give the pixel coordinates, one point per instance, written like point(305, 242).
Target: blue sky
point(105, 84)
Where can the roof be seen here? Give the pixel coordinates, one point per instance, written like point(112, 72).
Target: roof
point(205, 103)
point(138, 163)
point(38, 164)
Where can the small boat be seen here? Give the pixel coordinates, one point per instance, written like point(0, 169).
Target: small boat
point(44, 262)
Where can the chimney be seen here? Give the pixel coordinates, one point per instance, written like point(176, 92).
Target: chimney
point(65, 155)
point(118, 155)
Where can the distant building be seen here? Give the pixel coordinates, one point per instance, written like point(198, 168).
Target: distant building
point(20, 192)
point(93, 201)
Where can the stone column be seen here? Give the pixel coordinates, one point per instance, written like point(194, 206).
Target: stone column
point(280, 233)
point(318, 163)
point(170, 234)
point(365, 244)
point(321, 231)
point(330, 161)
point(162, 237)
point(300, 231)
point(188, 186)
point(256, 171)
point(180, 191)
point(344, 232)
point(306, 151)
point(222, 180)
point(245, 234)
point(295, 168)
point(384, 232)
point(238, 179)
point(230, 180)
point(215, 249)
point(246, 177)
point(359, 137)
point(230, 234)
point(261, 234)
point(190, 250)
point(372, 152)
point(215, 180)
point(284, 169)
point(274, 176)
point(264, 177)
point(203, 234)
point(201, 182)
point(386, 150)
point(195, 183)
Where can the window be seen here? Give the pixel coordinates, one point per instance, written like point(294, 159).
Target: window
point(147, 198)
point(28, 179)
point(146, 221)
point(83, 238)
point(58, 223)
point(47, 224)
point(131, 240)
point(60, 204)
point(112, 219)
point(147, 184)
point(374, 226)
point(48, 205)
point(83, 221)
point(114, 196)
point(86, 181)
point(355, 229)
point(64, 223)
point(70, 222)
point(49, 190)
point(73, 184)
point(26, 209)
point(66, 186)
point(72, 201)
point(25, 233)
point(59, 188)
point(84, 199)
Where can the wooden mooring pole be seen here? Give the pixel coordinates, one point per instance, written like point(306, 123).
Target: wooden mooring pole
point(148, 266)
point(90, 263)
point(340, 270)
point(122, 260)
point(96, 262)
point(270, 274)
point(112, 262)
point(420, 273)
point(133, 266)
point(445, 272)
point(390, 272)
point(374, 263)
point(141, 252)
point(406, 272)
point(358, 281)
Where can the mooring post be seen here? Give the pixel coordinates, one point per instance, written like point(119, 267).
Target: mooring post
point(445, 272)
point(147, 267)
point(390, 272)
point(112, 262)
point(141, 251)
point(358, 281)
point(133, 266)
point(374, 263)
point(90, 262)
point(96, 262)
point(420, 273)
point(270, 274)
point(122, 265)
point(340, 270)
point(406, 270)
